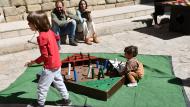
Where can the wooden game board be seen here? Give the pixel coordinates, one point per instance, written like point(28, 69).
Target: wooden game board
point(99, 88)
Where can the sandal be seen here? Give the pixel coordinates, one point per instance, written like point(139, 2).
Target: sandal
point(95, 40)
point(87, 41)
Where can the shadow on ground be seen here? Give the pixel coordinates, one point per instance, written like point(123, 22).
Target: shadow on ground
point(14, 98)
point(162, 33)
point(178, 81)
point(182, 82)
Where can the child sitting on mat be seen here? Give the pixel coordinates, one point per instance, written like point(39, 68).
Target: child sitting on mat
point(133, 69)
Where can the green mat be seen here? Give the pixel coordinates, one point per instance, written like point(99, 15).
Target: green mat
point(154, 90)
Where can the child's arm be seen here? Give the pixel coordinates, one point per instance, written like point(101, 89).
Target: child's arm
point(43, 50)
point(125, 71)
point(140, 70)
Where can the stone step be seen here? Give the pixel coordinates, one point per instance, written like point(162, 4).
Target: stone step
point(120, 13)
point(14, 35)
point(21, 28)
point(10, 45)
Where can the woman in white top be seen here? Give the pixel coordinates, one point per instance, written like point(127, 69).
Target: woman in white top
point(86, 25)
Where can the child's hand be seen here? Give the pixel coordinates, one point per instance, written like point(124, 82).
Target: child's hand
point(30, 63)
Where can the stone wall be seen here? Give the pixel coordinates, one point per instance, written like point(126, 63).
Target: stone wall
point(15, 10)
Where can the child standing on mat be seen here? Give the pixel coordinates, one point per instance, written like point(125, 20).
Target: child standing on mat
point(133, 68)
point(51, 73)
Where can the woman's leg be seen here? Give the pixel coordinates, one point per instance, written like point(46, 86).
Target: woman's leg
point(92, 30)
point(82, 27)
point(85, 29)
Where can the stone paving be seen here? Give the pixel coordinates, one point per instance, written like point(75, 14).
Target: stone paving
point(149, 41)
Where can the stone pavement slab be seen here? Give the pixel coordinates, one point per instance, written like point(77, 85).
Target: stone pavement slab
point(149, 41)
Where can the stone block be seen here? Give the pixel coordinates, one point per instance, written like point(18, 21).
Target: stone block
point(130, 0)
point(130, 3)
point(91, 2)
point(101, 2)
point(4, 3)
point(99, 7)
point(110, 6)
point(48, 6)
point(29, 2)
point(17, 2)
point(67, 3)
point(10, 11)
point(124, 4)
point(45, 1)
point(110, 1)
point(31, 8)
point(21, 9)
point(74, 3)
point(72, 10)
point(119, 1)
point(13, 18)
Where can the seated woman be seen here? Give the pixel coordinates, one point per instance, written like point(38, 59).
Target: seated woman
point(86, 25)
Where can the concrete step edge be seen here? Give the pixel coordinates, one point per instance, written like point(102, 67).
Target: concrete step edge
point(11, 45)
point(27, 31)
point(105, 14)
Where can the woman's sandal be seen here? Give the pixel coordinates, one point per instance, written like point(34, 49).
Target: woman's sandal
point(95, 40)
point(88, 42)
